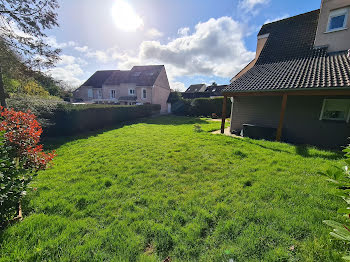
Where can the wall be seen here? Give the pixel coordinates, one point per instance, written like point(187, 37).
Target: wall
point(336, 41)
point(161, 91)
point(301, 123)
point(81, 93)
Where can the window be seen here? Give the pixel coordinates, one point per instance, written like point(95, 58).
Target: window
point(90, 94)
point(113, 94)
point(336, 109)
point(99, 94)
point(338, 20)
point(131, 92)
point(144, 93)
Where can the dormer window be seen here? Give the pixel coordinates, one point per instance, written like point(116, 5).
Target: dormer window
point(338, 20)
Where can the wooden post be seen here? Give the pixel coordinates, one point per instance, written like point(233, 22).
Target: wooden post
point(224, 105)
point(280, 124)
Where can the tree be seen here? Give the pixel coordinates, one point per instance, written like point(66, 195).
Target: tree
point(22, 27)
point(214, 84)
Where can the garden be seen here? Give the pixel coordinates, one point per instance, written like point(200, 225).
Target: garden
point(166, 188)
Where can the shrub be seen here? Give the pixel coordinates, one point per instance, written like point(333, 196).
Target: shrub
point(60, 118)
point(206, 107)
point(340, 178)
point(71, 119)
point(21, 157)
point(42, 108)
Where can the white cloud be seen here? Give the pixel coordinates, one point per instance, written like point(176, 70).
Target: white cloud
point(68, 69)
point(216, 47)
point(52, 41)
point(184, 31)
point(178, 86)
point(249, 5)
point(154, 33)
point(270, 20)
point(81, 49)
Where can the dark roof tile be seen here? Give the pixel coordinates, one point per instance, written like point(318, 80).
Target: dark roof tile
point(290, 61)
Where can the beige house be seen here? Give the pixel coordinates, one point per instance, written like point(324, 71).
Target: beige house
point(140, 85)
point(297, 89)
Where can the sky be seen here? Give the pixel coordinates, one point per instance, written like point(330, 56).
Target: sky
point(198, 41)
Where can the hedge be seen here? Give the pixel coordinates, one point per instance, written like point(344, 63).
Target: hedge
point(200, 107)
point(71, 119)
point(59, 118)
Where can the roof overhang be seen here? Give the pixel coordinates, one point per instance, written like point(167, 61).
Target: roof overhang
point(293, 92)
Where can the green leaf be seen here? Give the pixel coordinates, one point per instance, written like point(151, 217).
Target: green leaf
point(347, 258)
point(344, 210)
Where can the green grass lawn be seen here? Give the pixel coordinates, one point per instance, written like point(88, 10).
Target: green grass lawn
point(146, 191)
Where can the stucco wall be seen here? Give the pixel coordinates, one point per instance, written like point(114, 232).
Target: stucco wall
point(301, 123)
point(161, 91)
point(336, 41)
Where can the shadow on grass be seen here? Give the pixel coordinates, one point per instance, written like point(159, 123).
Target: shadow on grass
point(52, 143)
point(302, 150)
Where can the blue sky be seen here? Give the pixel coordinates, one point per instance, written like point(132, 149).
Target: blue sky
point(199, 41)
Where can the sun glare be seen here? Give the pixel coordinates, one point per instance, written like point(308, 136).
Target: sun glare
point(125, 17)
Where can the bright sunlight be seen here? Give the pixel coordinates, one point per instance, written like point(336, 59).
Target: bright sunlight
point(125, 17)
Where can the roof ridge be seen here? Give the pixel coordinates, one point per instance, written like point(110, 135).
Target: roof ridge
point(294, 16)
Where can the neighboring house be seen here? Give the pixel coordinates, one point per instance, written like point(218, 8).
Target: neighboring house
point(140, 85)
point(198, 91)
point(215, 90)
point(196, 88)
point(299, 82)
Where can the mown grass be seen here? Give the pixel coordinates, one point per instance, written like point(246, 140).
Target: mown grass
point(161, 188)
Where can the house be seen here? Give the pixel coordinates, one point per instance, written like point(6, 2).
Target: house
point(215, 90)
point(198, 91)
point(196, 88)
point(140, 85)
point(298, 85)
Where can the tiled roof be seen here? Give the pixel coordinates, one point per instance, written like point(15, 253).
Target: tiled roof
point(139, 75)
point(196, 88)
point(215, 89)
point(329, 71)
point(98, 78)
point(289, 38)
point(289, 60)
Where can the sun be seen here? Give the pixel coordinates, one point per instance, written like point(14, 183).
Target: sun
point(125, 17)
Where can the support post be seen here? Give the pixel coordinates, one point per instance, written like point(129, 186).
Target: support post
point(224, 105)
point(280, 124)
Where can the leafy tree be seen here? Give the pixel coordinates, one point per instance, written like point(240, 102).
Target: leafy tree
point(33, 88)
point(22, 36)
point(214, 84)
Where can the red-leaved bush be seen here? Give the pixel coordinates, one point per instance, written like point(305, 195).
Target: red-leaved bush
point(21, 156)
point(22, 132)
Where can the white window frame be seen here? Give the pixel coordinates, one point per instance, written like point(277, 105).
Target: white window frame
point(142, 97)
point(131, 92)
point(335, 13)
point(347, 117)
point(113, 94)
point(90, 93)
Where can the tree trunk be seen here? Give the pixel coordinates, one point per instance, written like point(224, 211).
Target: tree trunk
point(2, 91)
